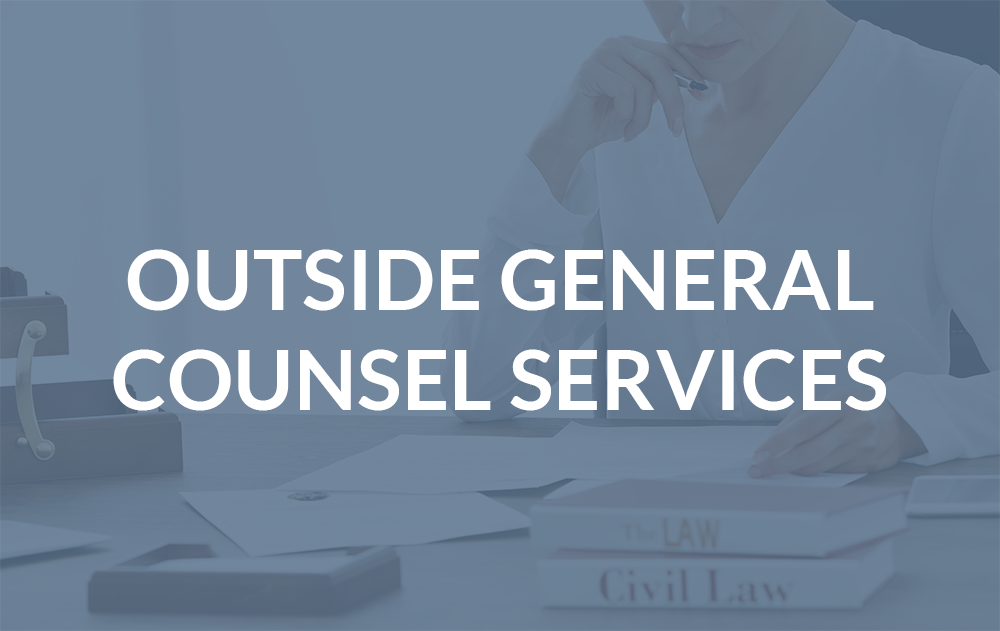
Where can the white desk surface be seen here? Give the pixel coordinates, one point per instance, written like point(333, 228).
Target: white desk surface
point(948, 570)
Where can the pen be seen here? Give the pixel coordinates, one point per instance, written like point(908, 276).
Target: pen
point(690, 84)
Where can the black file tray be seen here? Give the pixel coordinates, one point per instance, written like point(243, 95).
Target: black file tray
point(72, 430)
point(94, 433)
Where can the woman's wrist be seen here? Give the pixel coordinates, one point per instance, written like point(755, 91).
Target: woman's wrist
point(909, 442)
point(555, 160)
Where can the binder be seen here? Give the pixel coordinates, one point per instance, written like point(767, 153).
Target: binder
point(68, 430)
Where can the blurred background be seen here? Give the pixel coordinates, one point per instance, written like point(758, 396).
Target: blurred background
point(264, 125)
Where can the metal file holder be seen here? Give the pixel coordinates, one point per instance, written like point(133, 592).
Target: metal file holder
point(70, 430)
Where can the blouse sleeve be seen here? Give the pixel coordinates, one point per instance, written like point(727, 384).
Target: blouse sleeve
point(960, 418)
point(526, 217)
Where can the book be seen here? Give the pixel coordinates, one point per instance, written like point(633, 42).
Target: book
point(701, 517)
point(586, 578)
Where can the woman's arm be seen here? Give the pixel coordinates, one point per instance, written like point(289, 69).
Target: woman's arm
point(551, 205)
point(929, 418)
point(960, 418)
point(527, 218)
point(611, 98)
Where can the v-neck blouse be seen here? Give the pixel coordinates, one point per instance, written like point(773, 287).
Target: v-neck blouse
point(893, 156)
point(777, 161)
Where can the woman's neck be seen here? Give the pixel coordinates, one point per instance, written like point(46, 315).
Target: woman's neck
point(793, 67)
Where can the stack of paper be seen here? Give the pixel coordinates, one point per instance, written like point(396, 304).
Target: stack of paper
point(457, 464)
point(419, 489)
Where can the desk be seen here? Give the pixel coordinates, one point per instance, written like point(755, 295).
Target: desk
point(948, 575)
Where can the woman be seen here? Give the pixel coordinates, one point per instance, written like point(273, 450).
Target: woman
point(815, 133)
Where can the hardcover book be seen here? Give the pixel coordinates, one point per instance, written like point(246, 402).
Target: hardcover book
point(700, 517)
point(584, 578)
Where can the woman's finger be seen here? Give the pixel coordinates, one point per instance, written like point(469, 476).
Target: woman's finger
point(793, 412)
point(661, 49)
point(808, 452)
point(838, 457)
point(645, 95)
point(656, 71)
point(799, 428)
point(598, 81)
point(659, 72)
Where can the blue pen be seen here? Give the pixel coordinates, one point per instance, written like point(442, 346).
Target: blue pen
point(690, 84)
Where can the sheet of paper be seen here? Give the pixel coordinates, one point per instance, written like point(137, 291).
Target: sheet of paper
point(457, 464)
point(439, 464)
point(738, 475)
point(19, 539)
point(728, 476)
point(617, 453)
point(279, 522)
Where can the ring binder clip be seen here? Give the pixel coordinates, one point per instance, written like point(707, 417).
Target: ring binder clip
point(42, 448)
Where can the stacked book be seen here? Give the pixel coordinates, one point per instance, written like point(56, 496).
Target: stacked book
point(658, 543)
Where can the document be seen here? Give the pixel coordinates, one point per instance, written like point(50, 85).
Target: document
point(462, 464)
point(727, 476)
point(19, 539)
point(738, 475)
point(278, 522)
point(619, 453)
point(440, 464)
point(699, 454)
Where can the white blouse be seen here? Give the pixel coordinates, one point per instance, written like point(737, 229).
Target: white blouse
point(894, 156)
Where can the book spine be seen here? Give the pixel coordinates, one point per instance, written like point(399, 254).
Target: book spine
point(626, 583)
point(782, 534)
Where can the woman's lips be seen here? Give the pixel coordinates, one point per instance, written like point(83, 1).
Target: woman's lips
point(711, 52)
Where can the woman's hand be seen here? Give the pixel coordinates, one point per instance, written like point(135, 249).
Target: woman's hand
point(843, 441)
point(611, 97)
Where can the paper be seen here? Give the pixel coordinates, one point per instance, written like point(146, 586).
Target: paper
point(19, 539)
point(440, 464)
point(619, 453)
point(279, 522)
point(597, 455)
point(457, 464)
point(728, 476)
point(738, 475)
